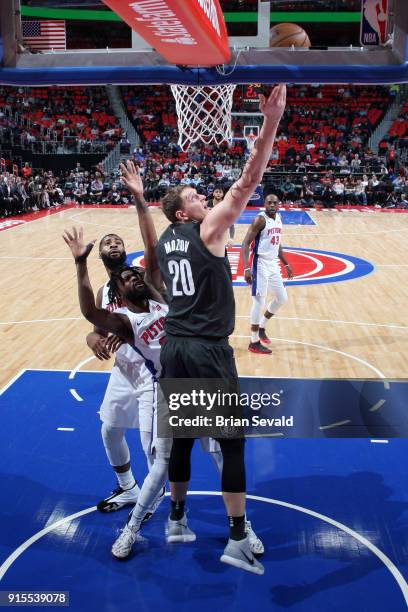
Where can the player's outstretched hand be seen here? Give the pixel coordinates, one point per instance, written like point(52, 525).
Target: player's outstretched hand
point(113, 342)
point(75, 241)
point(274, 106)
point(132, 179)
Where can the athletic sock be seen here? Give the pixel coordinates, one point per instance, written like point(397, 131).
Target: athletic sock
point(264, 321)
point(237, 527)
point(177, 510)
point(126, 479)
point(254, 336)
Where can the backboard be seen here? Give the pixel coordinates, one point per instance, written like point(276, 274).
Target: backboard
point(252, 60)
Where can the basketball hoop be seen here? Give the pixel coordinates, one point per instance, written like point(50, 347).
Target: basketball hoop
point(203, 113)
point(251, 133)
point(250, 140)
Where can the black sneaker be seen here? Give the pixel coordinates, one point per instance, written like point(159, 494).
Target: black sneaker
point(257, 347)
point(263, 337)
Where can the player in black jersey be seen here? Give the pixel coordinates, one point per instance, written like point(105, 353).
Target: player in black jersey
point(195, 269)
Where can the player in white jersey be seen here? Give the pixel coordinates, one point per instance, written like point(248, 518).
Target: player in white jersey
point(265, 233)
point(140, 323)
point(128, 400)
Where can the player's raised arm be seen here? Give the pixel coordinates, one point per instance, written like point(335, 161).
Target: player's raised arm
point(96, 339)
point(222, 216)
point(112, 322)
point(133, 181)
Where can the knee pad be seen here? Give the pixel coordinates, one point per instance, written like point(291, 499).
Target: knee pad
point(180, 460)
point(115, 445)
point(233, 479)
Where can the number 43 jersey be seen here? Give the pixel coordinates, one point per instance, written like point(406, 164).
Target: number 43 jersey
point(199, 285)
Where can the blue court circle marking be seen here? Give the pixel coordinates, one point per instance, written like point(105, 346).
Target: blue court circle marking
point(399, 578)
point(360, 267)
point(355, 267)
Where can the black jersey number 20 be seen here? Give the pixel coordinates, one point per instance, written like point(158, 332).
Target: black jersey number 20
point(181, 272)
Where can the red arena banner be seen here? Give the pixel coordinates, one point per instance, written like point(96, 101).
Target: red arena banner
point(189, 32)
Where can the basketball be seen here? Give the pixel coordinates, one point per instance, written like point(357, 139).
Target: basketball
point(288, 34)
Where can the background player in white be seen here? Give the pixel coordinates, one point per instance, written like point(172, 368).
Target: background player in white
point(265, 232)
point(128, 400)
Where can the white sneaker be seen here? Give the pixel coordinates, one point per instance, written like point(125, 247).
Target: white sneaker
point(177, 531)
point(118, 499)
point(154, 506)
point(122, 546)
point(238, 554)
point(255, 544)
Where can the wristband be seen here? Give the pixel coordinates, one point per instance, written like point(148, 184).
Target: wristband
point(247, 269)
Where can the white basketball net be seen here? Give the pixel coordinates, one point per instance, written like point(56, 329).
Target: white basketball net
point(203, 113)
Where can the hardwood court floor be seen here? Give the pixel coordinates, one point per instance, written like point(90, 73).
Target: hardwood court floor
point(355, 328)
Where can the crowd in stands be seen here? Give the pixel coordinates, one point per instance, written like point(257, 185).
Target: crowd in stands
point(31, 191)
point(397, 136)
point(321, 154)
point(325, 128)
point(73, 117)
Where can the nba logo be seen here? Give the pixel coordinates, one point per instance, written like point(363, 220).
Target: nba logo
point(374, 21)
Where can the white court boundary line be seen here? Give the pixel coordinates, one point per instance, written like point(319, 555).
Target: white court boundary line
point(75, 216)
point(400, 580)
point(29, 258)
point(12, 381)
point(25, 223)
point(41, 320)
point(336, 321)
point(329, 349)
point(79, 366)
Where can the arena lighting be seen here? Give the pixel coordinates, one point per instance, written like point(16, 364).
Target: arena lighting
point(192, 32)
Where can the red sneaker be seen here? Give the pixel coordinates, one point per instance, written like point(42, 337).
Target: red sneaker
point(257, 347)
point(263, 337)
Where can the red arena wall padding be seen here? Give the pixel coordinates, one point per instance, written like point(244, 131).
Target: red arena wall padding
point(192, 33)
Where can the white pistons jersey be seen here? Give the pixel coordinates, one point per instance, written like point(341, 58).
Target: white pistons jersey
point(148, 330)
point(124, 352)
point(266, 243)
point(129, 396)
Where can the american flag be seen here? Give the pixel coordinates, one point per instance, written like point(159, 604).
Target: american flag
point(44, 35)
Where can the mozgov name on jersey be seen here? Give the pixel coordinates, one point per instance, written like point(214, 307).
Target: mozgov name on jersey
point(177, 245)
